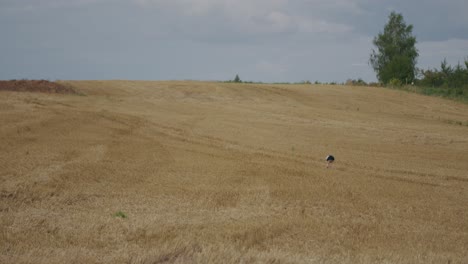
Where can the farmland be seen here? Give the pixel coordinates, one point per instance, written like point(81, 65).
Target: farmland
point(206, 172)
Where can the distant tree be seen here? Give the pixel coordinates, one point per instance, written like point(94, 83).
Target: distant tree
point(237, 79)
point(431, 78)
point(445, 68)
point(396, 54)
point(358, 82)
point(446, 77)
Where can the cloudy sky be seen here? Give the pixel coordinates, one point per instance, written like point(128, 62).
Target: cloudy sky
point(261, 40)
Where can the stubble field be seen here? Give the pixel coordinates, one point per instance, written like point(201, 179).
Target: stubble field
point(201, 172)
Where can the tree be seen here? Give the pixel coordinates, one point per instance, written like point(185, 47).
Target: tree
point(237, 79)
point(396, 53)
point(445, 69)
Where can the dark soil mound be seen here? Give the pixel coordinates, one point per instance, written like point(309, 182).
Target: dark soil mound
point(42, 86)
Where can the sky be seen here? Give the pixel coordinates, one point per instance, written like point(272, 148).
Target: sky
point(261, 40)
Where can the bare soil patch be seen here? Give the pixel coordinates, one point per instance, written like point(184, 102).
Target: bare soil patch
point(42, 86)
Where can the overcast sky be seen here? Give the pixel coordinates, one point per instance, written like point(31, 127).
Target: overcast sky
point(261, 40)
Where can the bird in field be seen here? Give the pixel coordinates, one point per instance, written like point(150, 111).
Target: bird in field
point(330, 159)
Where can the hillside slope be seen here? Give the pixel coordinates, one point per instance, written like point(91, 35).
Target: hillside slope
point(227, 173)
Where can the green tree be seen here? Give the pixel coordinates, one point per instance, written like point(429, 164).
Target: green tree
point(396, 54)
point(237, 79)
point(445, 68)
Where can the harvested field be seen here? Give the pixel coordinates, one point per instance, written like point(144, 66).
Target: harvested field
point(195, 172)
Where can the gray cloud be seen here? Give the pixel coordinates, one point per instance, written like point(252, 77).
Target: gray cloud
point(454, 50)
point(267, 40)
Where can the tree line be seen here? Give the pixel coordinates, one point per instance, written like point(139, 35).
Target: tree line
point(395, 57)
point(446, 77)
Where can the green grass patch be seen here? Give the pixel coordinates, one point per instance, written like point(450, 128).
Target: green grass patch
point(120, 214)
point(457, 94)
